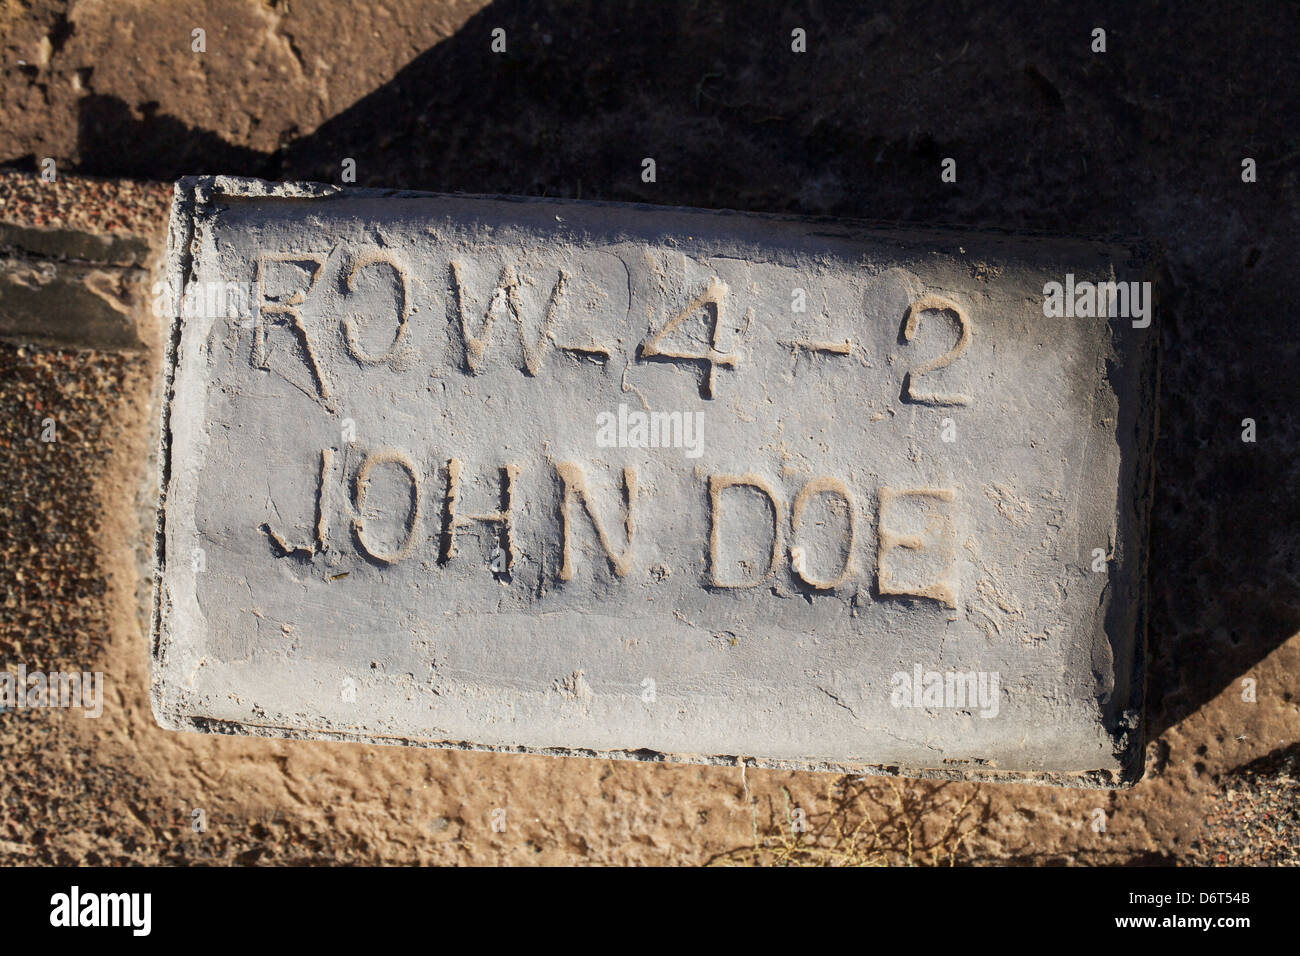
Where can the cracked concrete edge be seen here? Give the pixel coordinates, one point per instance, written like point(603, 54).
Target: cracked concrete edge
point(1138, 499)
point(180, 233)
point(1130, 249)
point(197, 196)
point(1082, 780)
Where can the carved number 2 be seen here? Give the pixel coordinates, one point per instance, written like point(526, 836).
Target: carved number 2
point(938, 304)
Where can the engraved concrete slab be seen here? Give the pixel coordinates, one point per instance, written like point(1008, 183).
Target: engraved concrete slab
point(577, 478)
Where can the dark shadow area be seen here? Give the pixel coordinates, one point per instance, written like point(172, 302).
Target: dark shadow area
point(1144, 140)
point(1283, 763)
point(115, 140)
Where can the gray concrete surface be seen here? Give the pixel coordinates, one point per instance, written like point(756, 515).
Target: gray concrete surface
point(914, 476)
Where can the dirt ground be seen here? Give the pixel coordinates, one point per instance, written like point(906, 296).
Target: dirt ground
point(1145, 140)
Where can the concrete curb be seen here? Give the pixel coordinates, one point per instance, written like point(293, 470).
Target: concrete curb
point(75, 261)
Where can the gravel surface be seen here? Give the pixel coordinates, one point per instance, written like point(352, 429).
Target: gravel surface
point(78, 202)
point(1255, 820)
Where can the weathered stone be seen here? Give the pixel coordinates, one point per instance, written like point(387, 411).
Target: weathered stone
point(650, 483)
point(71, 304)
point(63, 287)
point(82, 281)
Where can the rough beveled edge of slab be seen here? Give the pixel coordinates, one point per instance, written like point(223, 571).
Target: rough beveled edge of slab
point(1126, 618)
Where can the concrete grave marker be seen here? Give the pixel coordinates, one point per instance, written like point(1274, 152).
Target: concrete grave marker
point(576, 478)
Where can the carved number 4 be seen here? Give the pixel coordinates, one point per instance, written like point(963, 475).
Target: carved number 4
point(935, 303)
point(710, 300)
